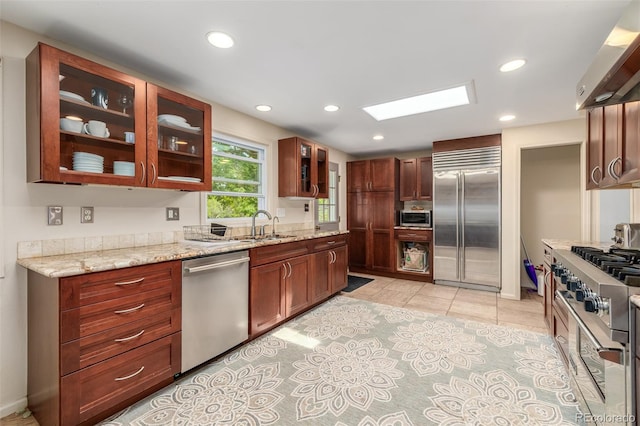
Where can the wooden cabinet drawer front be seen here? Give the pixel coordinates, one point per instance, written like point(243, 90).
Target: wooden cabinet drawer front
point(96, 389)
point(561, 336)
point(81, 353)
point(413, 235)
point(326, 243)
point(88, 320)
point(87, 289)
point(277, 252)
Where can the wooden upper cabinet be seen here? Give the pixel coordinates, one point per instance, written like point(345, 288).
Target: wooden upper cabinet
point(179, 141)
point(379, 174)
point(408, 179)
point(303, 169)
point(613, 154)
point(595, 141)
point(67, 95)
point(627, 166)
point(416, 179)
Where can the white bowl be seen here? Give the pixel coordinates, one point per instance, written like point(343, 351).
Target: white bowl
point(70, 125)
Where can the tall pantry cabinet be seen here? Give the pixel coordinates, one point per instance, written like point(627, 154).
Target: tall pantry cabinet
point(372, 201)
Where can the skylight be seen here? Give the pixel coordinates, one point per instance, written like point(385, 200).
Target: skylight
point(441, 99)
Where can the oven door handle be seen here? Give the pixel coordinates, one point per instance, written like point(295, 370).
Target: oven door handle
point(609, 354)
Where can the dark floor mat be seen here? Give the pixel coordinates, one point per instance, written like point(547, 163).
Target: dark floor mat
point(356, 282)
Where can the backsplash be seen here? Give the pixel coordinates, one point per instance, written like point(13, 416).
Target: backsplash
point(40, 248)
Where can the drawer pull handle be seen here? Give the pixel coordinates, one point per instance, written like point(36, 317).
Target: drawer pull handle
point(126, 339)
point(117, 379)
point(139, 280)
point(330, 242)
point(126, 311)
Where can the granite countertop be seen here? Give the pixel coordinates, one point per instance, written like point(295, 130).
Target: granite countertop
point(635, 300)
point(557, 244)
point(105, 260)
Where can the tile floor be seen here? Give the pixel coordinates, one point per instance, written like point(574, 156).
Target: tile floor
point(526, 313)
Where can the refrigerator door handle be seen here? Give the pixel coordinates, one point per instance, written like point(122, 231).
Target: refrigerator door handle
point(461, 225)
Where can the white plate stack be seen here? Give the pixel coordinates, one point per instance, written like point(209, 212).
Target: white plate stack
point(86, 162)
point(124, 168)
point(176, 121)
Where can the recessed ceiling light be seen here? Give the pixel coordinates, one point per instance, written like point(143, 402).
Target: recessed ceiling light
point(331, 108)
point(507, 117)
point(513, 65)
point(441, 99)
point(263, 108)
point(378, 137)
point(221, 40)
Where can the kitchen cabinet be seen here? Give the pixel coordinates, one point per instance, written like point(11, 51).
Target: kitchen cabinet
point(416, 179)
point(370, 220)
point(287, 279)
point(329, 267)
point(380, 174)
point(613, 155)
point(549, 287)
point(418, 240)
point(303, 169)
point(59, 90)
point(99, 342)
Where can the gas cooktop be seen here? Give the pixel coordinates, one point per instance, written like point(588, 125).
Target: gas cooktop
point(621, 264)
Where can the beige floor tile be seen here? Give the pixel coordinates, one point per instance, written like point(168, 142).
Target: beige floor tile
point(440, 291)
point(527, 305)
point(477, 296)
point(431, 304)
point(15, 420)
point(515, 316)
point(470, 317)
point(479, 309)
point(405, 286)
point(391, 297)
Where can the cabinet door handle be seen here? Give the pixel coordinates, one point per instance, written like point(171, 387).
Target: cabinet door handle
point(290, 270)
point(155, 175)
point(130, 375)
point(612, 166)
point(144, 172)
point(284, 274)
point(335, 256)
point(547, 275)
point(593, 172)
point(126, 311)
point(126, 339)
point(139, 280)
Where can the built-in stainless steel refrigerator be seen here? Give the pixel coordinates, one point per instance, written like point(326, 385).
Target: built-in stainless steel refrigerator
point(466, 218)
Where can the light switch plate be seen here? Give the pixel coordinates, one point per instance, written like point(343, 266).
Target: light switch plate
point(173, 213)
point(86, 214)
point(54, 215)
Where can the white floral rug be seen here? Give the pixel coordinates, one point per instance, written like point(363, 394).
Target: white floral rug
point(355, 363)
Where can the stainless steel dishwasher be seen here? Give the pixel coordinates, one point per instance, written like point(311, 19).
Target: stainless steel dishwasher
point(215, 306)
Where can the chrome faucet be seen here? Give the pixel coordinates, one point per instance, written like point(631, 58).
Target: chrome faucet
point(273, 227)
point(253, 221)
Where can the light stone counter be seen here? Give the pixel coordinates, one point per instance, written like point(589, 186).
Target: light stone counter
point(94, 261)
point(635, 300)
point(558, 244)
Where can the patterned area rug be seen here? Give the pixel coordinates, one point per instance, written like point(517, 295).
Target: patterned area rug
point(355, 363)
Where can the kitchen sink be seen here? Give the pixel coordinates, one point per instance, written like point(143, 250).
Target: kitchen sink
point(213, 243)
point(262, 237)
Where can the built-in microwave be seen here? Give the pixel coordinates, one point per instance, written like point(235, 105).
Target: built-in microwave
point(420, 218)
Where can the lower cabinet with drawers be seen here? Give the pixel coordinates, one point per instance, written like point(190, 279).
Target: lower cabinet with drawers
point(99, 342)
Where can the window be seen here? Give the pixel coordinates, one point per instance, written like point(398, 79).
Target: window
point(239, 176)
point(327, 208)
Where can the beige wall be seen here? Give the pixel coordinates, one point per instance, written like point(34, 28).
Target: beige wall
point(550, 196)
point(117, 210)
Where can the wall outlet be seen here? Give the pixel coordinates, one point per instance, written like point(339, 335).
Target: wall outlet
point(86, 214)
point(306, 207)
point(173, 213)
point(54, 215)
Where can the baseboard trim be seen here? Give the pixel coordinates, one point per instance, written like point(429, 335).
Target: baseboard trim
point(15, 406)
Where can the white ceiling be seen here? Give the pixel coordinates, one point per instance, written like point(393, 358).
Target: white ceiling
point(298, 56)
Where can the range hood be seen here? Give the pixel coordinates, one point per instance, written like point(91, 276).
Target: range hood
point(614, 75)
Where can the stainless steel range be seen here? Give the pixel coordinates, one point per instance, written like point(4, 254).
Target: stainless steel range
point(594, 287)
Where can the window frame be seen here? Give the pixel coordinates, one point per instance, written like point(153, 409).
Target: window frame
point(333, 225)
point(262, 199)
